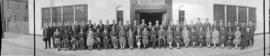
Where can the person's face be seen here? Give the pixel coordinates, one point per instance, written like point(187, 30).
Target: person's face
point(135, 22)
point(248, 29)
point(237, 28)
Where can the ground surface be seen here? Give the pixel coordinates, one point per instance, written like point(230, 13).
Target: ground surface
point(22, 45)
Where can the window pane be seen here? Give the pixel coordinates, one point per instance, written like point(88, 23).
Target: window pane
point(219, 13)
point(81, 13)
point(181, 16)
point(119, 16)
point(242, 14)
point(46, 16)
point(56, 14)
point(231, 14)
point(68, 14)
point(252, 14)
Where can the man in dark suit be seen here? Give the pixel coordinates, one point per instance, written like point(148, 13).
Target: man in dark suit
point(46, 35)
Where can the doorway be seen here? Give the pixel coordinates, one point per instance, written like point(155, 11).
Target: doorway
point(151, 17)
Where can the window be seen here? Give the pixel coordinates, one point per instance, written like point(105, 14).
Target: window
point(234, 13)
point(252, 14)
point(68, 14)
point(81, 13)
point(56, 15)
point(181, 16)
point(231, 14)
point(219, 13)
point(46, 16)
point(242, 14)
point(64, 14)
point(120, 16)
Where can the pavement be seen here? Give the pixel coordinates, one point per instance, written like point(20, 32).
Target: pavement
point(23, 45)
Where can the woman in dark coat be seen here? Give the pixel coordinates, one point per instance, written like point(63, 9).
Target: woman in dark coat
point(81, 39)
point(201, 35)
point(222, 37)
point(247, 36)
point(229, 41)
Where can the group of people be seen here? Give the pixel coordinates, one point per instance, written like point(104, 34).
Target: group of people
point(76, 36)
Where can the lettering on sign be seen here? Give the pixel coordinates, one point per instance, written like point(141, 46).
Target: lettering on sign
point(151, 2)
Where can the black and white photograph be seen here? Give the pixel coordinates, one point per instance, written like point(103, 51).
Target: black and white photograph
point(135, 27)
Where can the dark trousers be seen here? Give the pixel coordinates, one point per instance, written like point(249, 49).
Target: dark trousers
point(106, 42)
point(153, 41)
point(162, 41)
point(48, 43)
point(81, 44)
point(54, 46)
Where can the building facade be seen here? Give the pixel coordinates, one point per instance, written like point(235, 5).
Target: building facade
point(166, 11)
point(15, 16)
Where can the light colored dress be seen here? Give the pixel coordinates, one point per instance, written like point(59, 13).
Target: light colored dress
point(215, 36)
point(186, 35)
point(90, 38)
point(237, 38)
